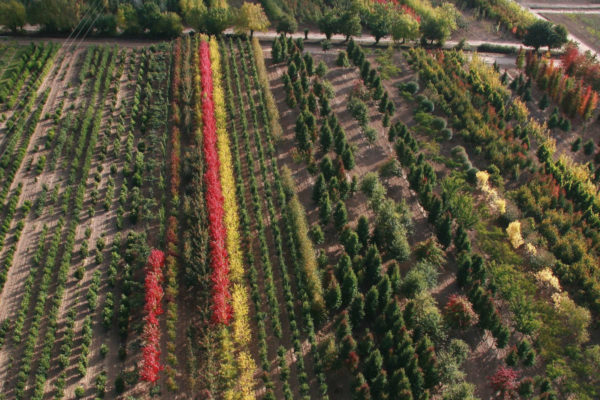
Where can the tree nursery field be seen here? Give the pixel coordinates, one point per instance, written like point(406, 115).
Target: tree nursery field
point(216, 216)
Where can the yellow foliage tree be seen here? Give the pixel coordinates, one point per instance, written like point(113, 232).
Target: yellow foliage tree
point(251, 17)
point(514, 234)
point(192, 11)
point(547, 279)
point(239, 298)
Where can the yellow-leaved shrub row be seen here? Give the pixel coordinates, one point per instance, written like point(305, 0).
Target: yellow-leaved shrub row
point(241, 327)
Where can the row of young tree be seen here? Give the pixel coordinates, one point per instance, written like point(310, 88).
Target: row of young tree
point(357, 294)
point(573, 96)
point(545, 200)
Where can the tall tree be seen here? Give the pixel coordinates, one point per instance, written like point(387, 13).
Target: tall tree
point(55, 15)
point(349, 24)
point(286, 24)
point(379, 21)
point(215, 20)
point(251, 17)
point(12, 15)
point(404, 27)
point(545, 33)
point(329, 23)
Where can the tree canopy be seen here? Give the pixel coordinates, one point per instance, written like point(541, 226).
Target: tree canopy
point(55, 15)
point(12, 15)
point(544, 33)
point(251, 17)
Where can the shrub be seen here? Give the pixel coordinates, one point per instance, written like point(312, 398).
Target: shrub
point(321, 69)
point(342, 59)
point(426, 105)
point(411, 87)
point(316, 234)
point(446, 133)
point(588, 147)
point(79, 392)
point(458, 312)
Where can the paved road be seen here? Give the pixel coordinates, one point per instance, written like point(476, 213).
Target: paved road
point(365, 39)
point(565, 11)
point(560, 6)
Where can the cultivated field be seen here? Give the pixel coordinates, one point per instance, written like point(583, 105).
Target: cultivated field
point(223, 218)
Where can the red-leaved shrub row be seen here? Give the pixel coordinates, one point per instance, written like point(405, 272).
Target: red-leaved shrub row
point(214, 196)
point(152, 309)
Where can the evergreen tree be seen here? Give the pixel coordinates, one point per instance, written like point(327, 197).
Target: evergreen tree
point(312, 103)
point(309, 62)
point(444, 231)
point(544, 102)
point(378, 93)
point(385, 291)
point(357, 309)
point(347, 346)
point(409, 314)
point(343, 266)
point(319, 189)
point(363, 231)
point(435, 209)
point(393, 316)
point(461, 240)
point(327, 168)
point(293, 71)
point(372, 265)
point(367, 344)
point(362, 390)
point(400, 385)
point(276, 52)
point(463, 275)
point(349, 287)
point(352, 244)
point(415, 376)
point(386, 120)
point(379, 385)
point(325, 107)
point(427, 361)
point(343, 328)
point(339, 139)
point(391, 108)
point(373, 364)
point(302, 134)
point(372, 303)
point(395, 278)
point(340, 215)
point(348, 158)
point(477, 268)
point(326, 137)
point(325, 209)
point(383, 102)
point(333, 297)
point(290, 99)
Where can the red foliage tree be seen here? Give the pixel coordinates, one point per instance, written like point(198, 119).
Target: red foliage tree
point(459, 312)
point(152, 309)
point(505, 381)
point(214, 196)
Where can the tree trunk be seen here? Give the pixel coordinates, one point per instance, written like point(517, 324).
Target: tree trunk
point(251, 33)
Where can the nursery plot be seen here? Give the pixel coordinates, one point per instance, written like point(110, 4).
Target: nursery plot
point(216, 218)
point(59, 312)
